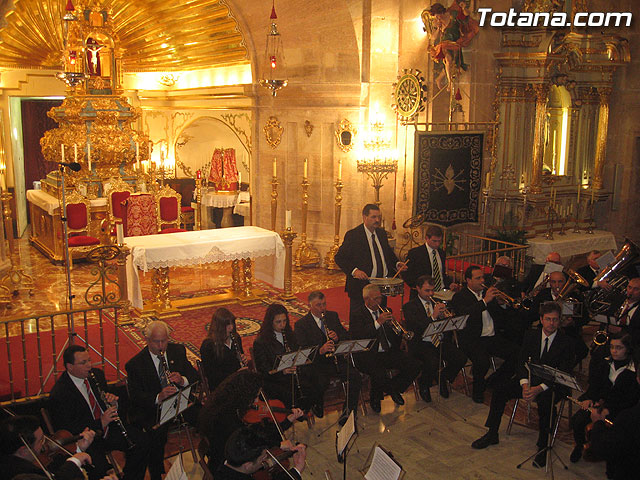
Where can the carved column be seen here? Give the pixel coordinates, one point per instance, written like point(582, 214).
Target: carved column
point(541, 92)
point(601, 142)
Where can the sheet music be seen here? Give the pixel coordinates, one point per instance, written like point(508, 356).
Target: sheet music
point(352, 346)
point(174, 405)
point(382, 467)
point(285, 361)
point(606, 319)
point(551, 267)
point(605, 260)
point(458, 323)
point(345, 434)
point(444, 295)
point(176, 472)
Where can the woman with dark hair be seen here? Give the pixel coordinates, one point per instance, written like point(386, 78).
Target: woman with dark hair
point(612, 388)
point(221, 351)
point(225, 408)
point(276, 338)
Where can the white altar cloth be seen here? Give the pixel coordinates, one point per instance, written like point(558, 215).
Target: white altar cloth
point(219, 200)
point(49, 203)
point(205, 246)
point(570, 244)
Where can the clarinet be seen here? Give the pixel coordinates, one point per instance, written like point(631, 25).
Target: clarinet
point(117, 420)
point(235, 346)
point(287, 349)
point(167, 372)
point(330, 355)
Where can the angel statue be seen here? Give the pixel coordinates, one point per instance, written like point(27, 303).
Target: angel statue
point(450, 29)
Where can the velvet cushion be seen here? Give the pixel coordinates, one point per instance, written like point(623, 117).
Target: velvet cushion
point(172, 230)
point(82, 240)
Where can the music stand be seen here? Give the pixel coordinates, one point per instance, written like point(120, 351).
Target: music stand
point(343, 441)
point(552, 377)
point(381, 465)
point(171, 408)
point(297, 358)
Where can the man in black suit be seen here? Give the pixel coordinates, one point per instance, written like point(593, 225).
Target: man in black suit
point(627, 315)
point(365, 253)
point(75, 404)
point(481, 337)
point(418, 314)
point(545, 346)
point(536, 273)
point(369, 321)
point(428, 259)
point(591, 269)
point(150, 384)
point(322, 328)
point(16, 458)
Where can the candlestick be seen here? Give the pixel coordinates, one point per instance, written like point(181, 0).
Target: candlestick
point(62, 148)
point(306, 255)
point(287, 219)
point(305, 168)
point(339, 170)
point(274, 200)
point(287, 238)
point(329, 259)
point(275, 168)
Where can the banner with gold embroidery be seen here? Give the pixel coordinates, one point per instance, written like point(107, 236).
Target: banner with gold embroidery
point(447, 176)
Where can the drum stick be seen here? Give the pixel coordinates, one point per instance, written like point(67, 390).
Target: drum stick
point(403, 263)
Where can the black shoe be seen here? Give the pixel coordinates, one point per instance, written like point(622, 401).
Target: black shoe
point(444, 389)
point(425, 394)
point(397, 398)
point(318, 410)
point(541, 460)
point(375, 405)
point(344, 416)
point(576, 454)
point(484, 441)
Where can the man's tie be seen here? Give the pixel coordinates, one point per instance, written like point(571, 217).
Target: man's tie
point(437, 278)
point(382, 335)
point(624, 317)
point(162, 373)
point(93, 403)
point(378, 257)
point(546, 348)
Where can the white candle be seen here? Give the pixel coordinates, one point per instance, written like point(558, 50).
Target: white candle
point(275, 168)
point(75, 153)
point(62, 147)
point(119, 233)
point(304, 168)
point(138, 154)
point(339, 169)
point(287, 219)
point(239, 179)
point(89, 156)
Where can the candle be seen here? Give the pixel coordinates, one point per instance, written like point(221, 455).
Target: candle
point(62, 148)
point(304, 168)
point(199, 174)
point(275, 168)
point(89, 156)
point(239, 179)
point(287, 219)
point(339, 170)
point(487, 179)
point(138, 154)
point(119, 233)
point(75, 153)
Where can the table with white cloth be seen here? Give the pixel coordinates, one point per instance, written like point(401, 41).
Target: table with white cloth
point(240, 245)
point(214, 199)
point(571, 244)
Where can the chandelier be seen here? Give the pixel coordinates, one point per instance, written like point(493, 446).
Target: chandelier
point(377, 158)
point(275, 74)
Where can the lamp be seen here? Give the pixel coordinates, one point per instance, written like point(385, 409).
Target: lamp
point(275, 74)
point(377, 158)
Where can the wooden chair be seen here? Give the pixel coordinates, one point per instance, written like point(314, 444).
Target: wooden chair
point(168, 208)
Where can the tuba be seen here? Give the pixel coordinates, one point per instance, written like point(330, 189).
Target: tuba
point(600, 300)
point(571, 284)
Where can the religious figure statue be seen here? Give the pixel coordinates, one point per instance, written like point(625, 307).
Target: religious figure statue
point(450, 29)
point(93, 57)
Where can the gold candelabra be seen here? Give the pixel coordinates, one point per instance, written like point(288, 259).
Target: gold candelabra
point(378, 159)
point(274, 201)
point(287, 237)
point(329, 259)
point(306, 254)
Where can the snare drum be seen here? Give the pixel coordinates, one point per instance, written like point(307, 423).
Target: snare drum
point(389, 287)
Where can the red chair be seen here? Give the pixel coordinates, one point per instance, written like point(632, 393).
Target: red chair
point(140, 216)
point(117, 193)
point(78, 224)
point(168, 210)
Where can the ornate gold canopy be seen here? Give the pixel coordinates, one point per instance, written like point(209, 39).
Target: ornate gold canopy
point(156, 35)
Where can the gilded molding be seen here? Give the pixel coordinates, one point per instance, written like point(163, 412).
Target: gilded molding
point(273, 132)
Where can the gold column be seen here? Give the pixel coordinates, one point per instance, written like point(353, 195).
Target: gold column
point(160, 287)
point(541, 92)
point(274, 201)
point(329, 259)
point(601, 142)
point(306, 254)
point(235, 276)
point(246, 274)
point(5, 198)
point(287, 237)
point(198, 212)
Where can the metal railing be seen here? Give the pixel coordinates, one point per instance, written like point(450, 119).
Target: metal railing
point(33, 346)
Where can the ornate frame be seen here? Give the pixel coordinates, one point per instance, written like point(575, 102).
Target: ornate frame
point(346, 127)
point(273, 132)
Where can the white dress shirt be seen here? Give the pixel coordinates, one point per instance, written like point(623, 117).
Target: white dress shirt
point(488, 330)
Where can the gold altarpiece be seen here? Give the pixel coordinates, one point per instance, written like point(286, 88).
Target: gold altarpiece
point(552, 104)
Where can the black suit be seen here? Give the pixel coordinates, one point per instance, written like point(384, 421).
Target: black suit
point(375, 363)
point(588, 274)
point(559, 355)
point(479, 349)
point(355, 253)
point(11, 466)
point(218, 367)
point(144, 387)
point(417, 320)
point(419, 263)
point(70, 411)
point(307, 335)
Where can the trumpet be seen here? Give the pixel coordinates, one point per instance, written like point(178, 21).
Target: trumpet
point(397, 326)
point(107, 404)
point(512, 302)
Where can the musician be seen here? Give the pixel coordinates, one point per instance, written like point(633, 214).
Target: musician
point(570, 325)
point(149, 384)
point(619, 444)
point(482, 335)
point(418, 314)
point(612, 387)
point(16, 459)
point(75, 404)
point(546, 346)
point(246, 450)
point(428, 259)
point(276, 338)
point(628, 317)
point(224, 411)
point(322, 328)
point(370, 321)
point(537, 272)
point(516, 323)
point(365, 253)
point(221, 352)
point(591, 269)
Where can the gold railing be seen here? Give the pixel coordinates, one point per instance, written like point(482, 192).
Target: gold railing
point(33, 346)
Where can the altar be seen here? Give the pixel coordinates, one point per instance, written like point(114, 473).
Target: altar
point(243, 246)
point(571, 244)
